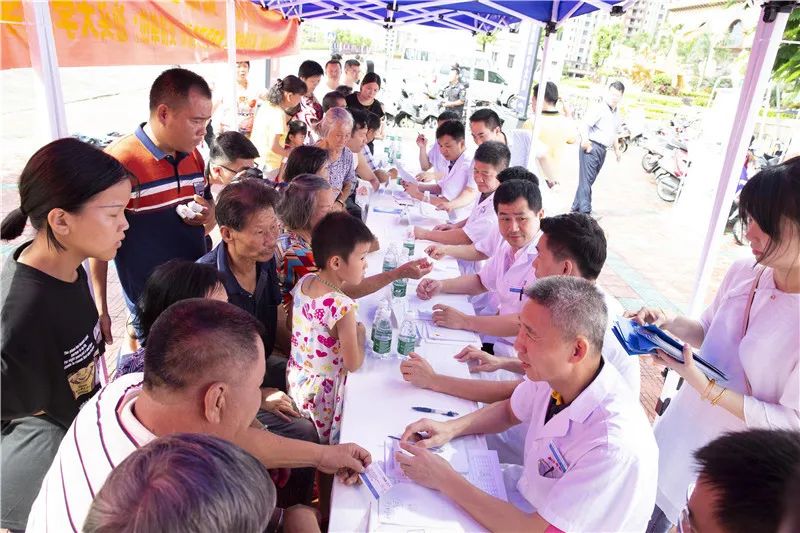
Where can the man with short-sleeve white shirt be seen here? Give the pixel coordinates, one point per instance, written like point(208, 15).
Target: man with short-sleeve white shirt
point(590, 457)
point(518, 205)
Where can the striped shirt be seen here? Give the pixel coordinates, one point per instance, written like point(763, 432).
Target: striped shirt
point(103, 434)
point(157, 233)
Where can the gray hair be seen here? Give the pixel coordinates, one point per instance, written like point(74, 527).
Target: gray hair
point(576, 307)
point(333, 116)
point(185, 483)
point(299, 201)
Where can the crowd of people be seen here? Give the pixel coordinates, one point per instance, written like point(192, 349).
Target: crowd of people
point(242, 276)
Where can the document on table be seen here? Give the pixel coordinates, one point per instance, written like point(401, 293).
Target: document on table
point(454, 452)
point(436, 333)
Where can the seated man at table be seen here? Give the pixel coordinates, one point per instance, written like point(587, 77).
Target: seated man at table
point(357, 144)
point(456, 192)
point(591, 460)
point(573, 244)
point(485, 125)
point(518, 205)
point(202, 372)
point(433, 165)
point(491, 158)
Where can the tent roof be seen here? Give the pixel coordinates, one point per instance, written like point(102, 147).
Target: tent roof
point(475, 15)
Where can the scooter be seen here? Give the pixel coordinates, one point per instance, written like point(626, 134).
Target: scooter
point(671, 172)
point(410, 113)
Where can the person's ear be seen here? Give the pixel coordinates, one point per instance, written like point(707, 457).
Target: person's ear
point(58, 220)
point(540, 214)
point(335, 262)
point(214, 402)
point(580, 350)
point(162, 112)
point(567, 268)
point(215, 174)
point(226, 233)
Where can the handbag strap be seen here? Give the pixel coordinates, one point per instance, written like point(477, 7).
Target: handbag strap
point(746, 320)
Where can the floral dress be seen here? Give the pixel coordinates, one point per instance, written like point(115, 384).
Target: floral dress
point(315, 373)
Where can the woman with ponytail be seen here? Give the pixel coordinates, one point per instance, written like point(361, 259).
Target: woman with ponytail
point(272, 122)
point(52, 350)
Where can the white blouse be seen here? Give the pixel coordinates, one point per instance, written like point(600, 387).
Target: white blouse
point(766, 357)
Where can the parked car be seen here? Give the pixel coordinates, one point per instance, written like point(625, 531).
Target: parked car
point(484, 86)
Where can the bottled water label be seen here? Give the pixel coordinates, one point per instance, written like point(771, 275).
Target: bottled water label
point(399, 288)
point(409, 245)
point(382, 345)
point(405, 345)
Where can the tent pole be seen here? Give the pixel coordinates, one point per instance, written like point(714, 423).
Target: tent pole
point(759, 67)
point(537, 113)
point(44, 61)
point(230, 35)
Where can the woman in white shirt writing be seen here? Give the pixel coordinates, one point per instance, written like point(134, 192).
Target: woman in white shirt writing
point(751, 332)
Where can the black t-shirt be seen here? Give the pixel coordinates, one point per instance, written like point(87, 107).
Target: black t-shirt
point(375, 107)
point(51, 343)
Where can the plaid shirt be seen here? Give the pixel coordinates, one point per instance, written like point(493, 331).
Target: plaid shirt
point(370, 159)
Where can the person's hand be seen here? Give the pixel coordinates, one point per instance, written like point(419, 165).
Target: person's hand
point(361, 333)
point(587, 146)
point(413, 190)
point(478, 360)
point(420, 233)
point(437, 201)
point(427, 433)
point(444, 205)
point(424, 467)
point(688, 370)
point(417, 371)
point(649, 315)
point(428, 288)
point(449, 317)
point(443, 227)
point(424, 177)
point(278, 403)
point(416, 269)
point(392, 173)
point(422, 142)
point(337, 206)
point(105, 328)
point(301, 519)
point(436, 251)
point(204, 217)
point(344, 460)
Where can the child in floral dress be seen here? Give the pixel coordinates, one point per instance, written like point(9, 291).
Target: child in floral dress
point(327, 339)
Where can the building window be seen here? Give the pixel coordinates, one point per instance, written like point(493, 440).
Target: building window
point(510, 60)
point(494, 57)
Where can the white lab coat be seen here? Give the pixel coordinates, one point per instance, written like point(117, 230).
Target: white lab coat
point(438, 162)
point(455, 181)
point(611, 456)
point(768, 357)
point(480, 224)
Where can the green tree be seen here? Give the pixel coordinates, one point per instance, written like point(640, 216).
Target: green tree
point(639, 40)
point(485, 38)
point(787, 62)
point(605, 37)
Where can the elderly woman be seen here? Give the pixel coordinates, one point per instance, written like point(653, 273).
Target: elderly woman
point(306, 200)
point(336, 128)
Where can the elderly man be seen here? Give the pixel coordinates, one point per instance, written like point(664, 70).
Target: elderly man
point(590, 457)
point(204, 366)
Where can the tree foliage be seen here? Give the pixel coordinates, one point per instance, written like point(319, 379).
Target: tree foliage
point(787, 62)
point(605, 38)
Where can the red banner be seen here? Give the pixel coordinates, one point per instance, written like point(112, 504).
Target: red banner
point(147, 33)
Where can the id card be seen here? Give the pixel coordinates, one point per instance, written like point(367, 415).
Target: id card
point(376, 481)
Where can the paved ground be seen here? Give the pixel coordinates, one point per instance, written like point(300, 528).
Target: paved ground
point(653, 246)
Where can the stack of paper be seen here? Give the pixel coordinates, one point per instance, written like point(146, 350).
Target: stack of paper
point(436, 333)
point(641, 340)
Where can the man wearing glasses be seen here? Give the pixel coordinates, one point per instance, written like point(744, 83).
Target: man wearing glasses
point(232, 154)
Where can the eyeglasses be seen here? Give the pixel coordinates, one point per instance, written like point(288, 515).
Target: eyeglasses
point(685, 518)
point(252, 172)
point(232, 171)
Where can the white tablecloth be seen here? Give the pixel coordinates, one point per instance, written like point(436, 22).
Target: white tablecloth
point(377, 401)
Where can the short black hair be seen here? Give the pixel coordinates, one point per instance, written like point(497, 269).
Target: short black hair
point(337, 234)
point(512, 190)
point(306, 159)
point(244, 63)
point(493, 153)
point(617, 85)
point(448, 115)
point(791, 511)
point(295, 127)
point(550, 92)
point(196, 338)
point(241, 199)
point(352, 63)
point(344, 90)
point(749, 471)
point(579, 238)
point(373, 121)
point(172, 282)
point(517, 173)
point(229, 146)
point(451, 128)
point(334, 60)
point(770, 196)
point(172, 88)
point(309, 69)
point(330, 99)
point(488, 117)
point(371, 77)
point(360, 119)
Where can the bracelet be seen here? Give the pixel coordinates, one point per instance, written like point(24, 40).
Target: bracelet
point(716, 400)
point(708, 389)
point(339, 200)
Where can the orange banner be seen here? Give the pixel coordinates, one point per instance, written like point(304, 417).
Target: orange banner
point(147, 33)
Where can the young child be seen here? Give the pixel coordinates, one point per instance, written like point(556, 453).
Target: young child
point(327, 339)
point(296, 136)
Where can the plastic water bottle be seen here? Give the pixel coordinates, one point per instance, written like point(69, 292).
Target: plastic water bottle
point(391, 259)
point(399, 286)
point(383, 305)
point(409, 244)
point(407, 338)
point(382, 341)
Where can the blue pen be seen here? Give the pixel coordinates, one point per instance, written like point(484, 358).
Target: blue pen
point(435, 411)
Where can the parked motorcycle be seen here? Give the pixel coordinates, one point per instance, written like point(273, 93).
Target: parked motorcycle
point(671, 171)
point(410, 112)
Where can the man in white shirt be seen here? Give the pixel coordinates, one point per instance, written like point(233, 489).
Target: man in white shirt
point(599, 133)
point(333, 75)
point(433, 165)
point(352, 73)
point(485, 125)
point(590, 457)
point(204, 366)
point(518, 205)
point(456, 192)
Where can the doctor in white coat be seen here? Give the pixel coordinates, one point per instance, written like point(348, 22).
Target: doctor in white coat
point(751, 331)
point(590, 456)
